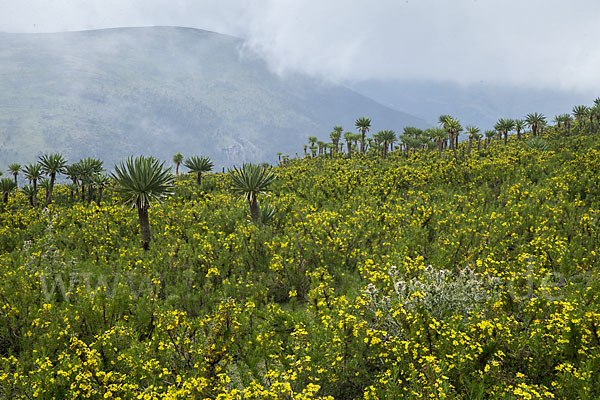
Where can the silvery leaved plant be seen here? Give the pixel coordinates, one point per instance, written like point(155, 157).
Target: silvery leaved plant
point(439, 292)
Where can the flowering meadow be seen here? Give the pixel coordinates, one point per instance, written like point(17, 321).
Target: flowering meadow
point(406, 277)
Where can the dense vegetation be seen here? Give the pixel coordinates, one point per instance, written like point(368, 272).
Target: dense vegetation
point(389, 274)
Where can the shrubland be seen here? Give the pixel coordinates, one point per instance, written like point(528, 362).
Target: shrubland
point(406, 276)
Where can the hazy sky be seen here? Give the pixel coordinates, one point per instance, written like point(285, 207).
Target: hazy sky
point(538, 43)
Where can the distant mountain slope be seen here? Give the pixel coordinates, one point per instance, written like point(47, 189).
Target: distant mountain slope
point(116, 92)
point(478, 104)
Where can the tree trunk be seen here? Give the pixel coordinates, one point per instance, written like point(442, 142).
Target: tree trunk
point(99, 195)
point(505, 137)
point(362, 141)
point(470, 146)
point(90, 193)
point(50, 189)
point(35, 202)
point(478, 145)
point(199, 178)
point(144, 227)
point(177, 169)
point(439, 145)
point(16, 183)
point(5, 197)
point(518, 134)
point(82, 192)
point(349, 147)
point(253, 204)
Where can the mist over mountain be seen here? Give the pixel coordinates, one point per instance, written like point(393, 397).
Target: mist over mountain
point(116, 92)
point(478, 104)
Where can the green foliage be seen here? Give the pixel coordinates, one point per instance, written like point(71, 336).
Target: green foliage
point(177, 159)
point(141, 181)
point(198, 165)
point(7, 185)
point(250, 181)
point(537, 143)
point(494, 293)
point(52, 163)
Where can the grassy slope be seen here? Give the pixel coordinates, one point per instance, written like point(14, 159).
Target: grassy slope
point(284, 305)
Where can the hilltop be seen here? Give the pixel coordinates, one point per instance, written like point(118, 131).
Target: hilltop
point(114, 92)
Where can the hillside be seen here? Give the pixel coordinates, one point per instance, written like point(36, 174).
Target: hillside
point(477, 104)
point(406, 277)
point(116, 92)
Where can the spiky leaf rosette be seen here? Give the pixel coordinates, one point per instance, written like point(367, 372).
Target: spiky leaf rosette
point(53, 163)
point(251, 180)
point(142, 180)
point(198, 164)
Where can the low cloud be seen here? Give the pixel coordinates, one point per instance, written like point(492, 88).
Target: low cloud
point(537, 43)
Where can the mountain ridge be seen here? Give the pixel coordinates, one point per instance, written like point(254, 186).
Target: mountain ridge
point(113, 92)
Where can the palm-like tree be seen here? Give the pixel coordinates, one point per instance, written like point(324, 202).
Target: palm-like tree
point(504, 126)
point(477, 136)
point(141, 181)
point(411, 143)
point(73, 172)
point(100, 182)
point(356, 137)
point(29, 193)
point(88, 168)
point(331, 147)
point(177, 159)
point(453, 128)
point(198, 165)
point(377, 142)
point(249, 182)
point(363, 124)
point(52, 164)
point(424, 141)
point(7, 185)
point(567, 120)
point(489, 135)
point(580, 112)
point(519, 126)
point(472, 131)
point(33, 172)
point(14, 169)
point(386, 137)
point(321, 145)
point(336, 135)
point(595, 111)
point(312, 140)
point(44, 184)
point(534, 121)
point(558, 120)
point(443, 120)
point(438, 135)
point(349, 137)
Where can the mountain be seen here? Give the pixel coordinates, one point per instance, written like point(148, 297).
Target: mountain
point(477, 104)
point(112, 93)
